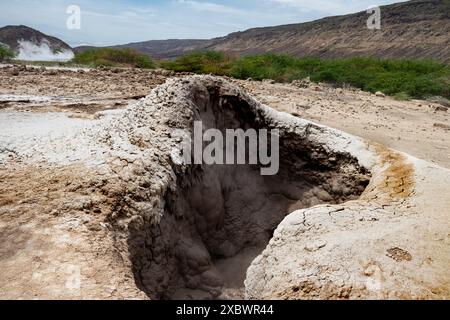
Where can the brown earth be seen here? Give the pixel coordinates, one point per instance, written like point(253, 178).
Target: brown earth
point(63, 219)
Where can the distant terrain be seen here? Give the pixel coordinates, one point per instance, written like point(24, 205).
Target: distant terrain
point(28, 44)
point(161, 49)
point(11, 35)
point(418, 29)
point(413, 29)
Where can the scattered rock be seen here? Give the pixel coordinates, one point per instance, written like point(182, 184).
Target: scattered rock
point(440, 109)
point(269, 81)
point(312, 247)
point(441, 126)
point(303, 83)
point(399, 255)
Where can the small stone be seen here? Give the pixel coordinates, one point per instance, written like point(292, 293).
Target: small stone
point(440, 109)
point(399, 255)
point(312, 247)
point(441, 126)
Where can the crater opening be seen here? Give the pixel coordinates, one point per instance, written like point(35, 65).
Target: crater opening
point(220, 217)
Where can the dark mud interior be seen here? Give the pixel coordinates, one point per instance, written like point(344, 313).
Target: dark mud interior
point(220, 217)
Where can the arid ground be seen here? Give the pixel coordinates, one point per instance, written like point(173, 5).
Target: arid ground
point(417, 127)
point(57, 216)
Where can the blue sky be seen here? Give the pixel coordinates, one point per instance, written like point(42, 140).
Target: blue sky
point(108, 22)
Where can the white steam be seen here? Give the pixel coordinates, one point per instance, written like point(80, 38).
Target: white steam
point(30, 51)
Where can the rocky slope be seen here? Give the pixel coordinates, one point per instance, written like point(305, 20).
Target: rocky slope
point(161, 49)
point(11, 35)
point(412, 29)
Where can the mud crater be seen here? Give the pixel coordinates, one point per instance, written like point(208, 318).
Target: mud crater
point(220, 217)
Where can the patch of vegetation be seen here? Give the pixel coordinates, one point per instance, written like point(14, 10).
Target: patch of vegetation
point(213, 62)
point(401, 96)
point(110, 57)
point(402, 78)
point(6, 53)
point(44, 63)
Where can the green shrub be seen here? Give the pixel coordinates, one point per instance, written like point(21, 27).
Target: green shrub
point(113, 57)
point(200, 62)
point(396, 77)
point(6, 53)
point(144, 62)
point(401, 96)
point(281, 68)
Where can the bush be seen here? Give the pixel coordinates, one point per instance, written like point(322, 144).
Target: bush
point(281, 68)
point(397, 77)
point(6, 53)
point(401, 96)
point(113, 57)
point(200, 62)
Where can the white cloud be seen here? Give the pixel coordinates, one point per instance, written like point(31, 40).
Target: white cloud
point(210, 7)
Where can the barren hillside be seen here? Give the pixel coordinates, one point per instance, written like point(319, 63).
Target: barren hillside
point(412, 29)
point(11, 35)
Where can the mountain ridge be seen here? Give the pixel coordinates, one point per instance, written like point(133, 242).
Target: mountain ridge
point(412, 29)
point(12, 34)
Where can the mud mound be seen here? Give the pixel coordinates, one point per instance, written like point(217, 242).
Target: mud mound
point(185, 243)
